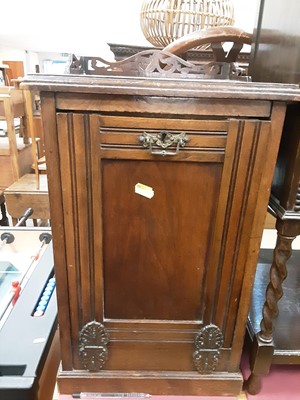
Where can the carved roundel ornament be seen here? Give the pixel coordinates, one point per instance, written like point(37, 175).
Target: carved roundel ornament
point(93, 340)
point(208, 342)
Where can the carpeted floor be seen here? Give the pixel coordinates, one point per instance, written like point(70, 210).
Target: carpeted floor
point(282, 383)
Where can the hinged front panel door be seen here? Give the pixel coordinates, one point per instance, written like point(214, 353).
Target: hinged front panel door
point(156, 243)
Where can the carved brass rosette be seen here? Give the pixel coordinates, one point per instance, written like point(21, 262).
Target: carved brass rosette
point(93, 340)
point(208, 342)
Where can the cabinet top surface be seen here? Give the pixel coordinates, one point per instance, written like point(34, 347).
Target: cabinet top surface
point(163, 87)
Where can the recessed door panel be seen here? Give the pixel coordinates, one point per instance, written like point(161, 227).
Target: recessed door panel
point(155, 248)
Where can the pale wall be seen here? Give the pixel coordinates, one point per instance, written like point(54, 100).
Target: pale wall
point(65, 26)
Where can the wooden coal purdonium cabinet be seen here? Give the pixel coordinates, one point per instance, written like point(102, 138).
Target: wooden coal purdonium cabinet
point(158, 192)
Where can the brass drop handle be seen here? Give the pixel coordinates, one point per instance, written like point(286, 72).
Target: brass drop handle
point(163, 140)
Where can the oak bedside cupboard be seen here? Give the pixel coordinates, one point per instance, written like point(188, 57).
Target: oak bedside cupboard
point(158, 194)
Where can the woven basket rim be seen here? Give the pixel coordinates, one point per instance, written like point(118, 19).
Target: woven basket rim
point(161, 24)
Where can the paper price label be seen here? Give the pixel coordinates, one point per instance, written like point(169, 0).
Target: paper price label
point(144, 190)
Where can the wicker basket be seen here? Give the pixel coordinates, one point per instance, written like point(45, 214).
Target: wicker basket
point(163, 21)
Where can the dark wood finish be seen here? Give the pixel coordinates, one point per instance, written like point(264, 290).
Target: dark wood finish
point(274, 316)
point(168, 278)
point(284, 203)
point(275, 55)
point(150, 266)
point(276, 59)
point(286, 181)
point(289, 305)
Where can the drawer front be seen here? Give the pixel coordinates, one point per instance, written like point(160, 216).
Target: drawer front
point(184, 106)
point(153, 137)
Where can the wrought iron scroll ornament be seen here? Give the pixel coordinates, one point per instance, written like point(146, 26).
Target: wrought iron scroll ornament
point(163, 140)
point(208, 342)
point(93, 340)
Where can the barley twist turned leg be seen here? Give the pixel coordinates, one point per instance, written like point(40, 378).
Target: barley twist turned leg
point(263, 347)
point(278, 272)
